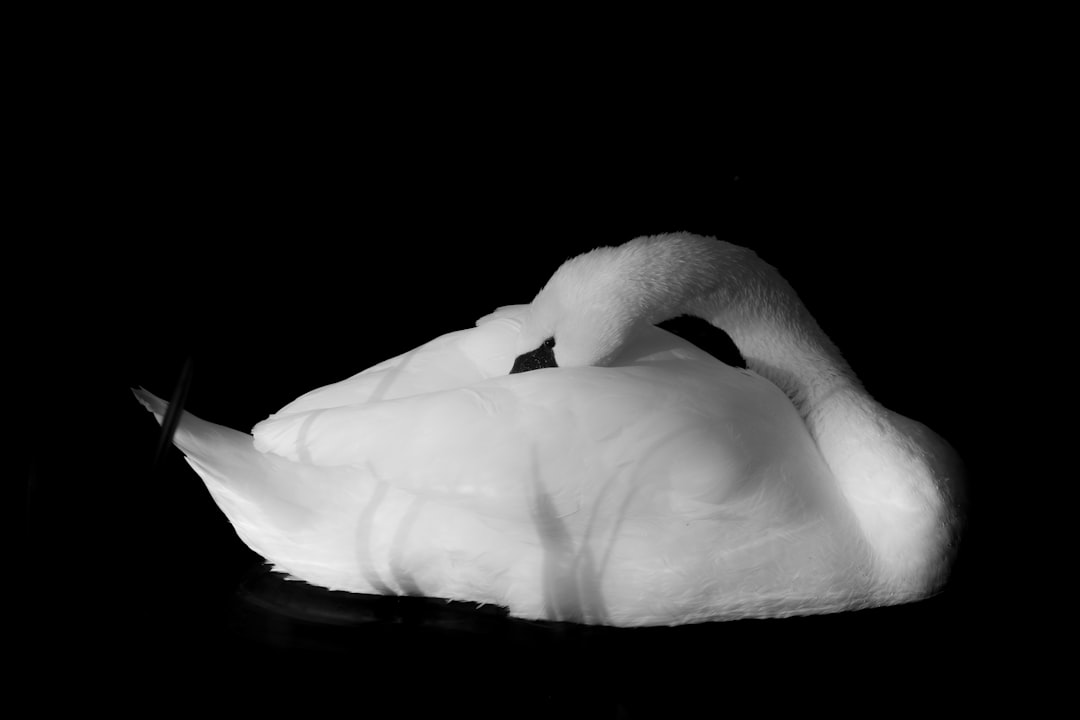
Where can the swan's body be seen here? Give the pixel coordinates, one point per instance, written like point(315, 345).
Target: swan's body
point(639, 482)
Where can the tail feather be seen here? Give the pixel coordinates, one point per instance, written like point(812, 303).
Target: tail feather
point(268, 499)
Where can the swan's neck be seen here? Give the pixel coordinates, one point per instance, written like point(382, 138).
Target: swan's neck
point(897, 476)
point(733, 289)
point(774, 332)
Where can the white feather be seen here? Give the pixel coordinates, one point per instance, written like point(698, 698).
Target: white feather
point(641, 482)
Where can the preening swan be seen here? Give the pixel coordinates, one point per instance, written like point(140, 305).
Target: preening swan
point(570, 461)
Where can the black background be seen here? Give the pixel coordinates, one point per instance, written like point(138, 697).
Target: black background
point(283, 234)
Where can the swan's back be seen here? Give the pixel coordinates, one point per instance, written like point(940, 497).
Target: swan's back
point(671, 486)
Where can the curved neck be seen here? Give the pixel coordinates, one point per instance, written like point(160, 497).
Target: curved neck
point(775, 333)
point(733, 289)
point(896, 475)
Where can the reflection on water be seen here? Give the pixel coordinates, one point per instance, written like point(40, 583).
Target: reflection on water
point(267, 602)
point(273, 648)
point(451, 655)
point(271, 609)
point(443, 656)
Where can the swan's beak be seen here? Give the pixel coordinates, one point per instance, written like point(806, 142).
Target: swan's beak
point(541, 357)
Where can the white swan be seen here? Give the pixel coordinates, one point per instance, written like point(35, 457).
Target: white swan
point(619, 476)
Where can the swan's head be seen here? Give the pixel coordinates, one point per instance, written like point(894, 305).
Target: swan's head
point(582, 317)
point(593, 303)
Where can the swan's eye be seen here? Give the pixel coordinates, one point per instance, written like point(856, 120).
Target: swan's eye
point(541, 357)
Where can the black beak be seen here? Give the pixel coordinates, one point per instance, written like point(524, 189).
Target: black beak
point(541, 357)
